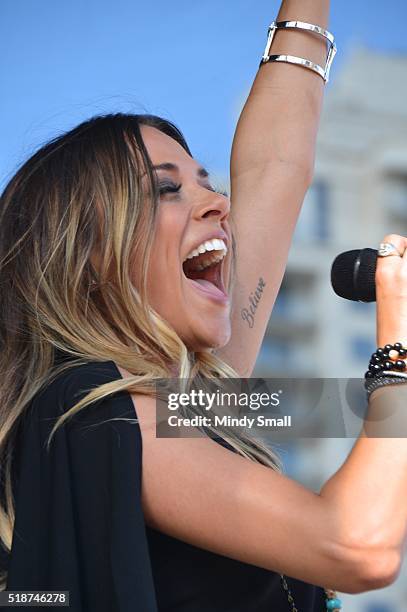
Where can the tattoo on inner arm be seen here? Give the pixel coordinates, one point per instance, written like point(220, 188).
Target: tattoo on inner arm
point(254, 299)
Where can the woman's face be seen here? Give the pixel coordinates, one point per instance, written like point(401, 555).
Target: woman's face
point(186, 288)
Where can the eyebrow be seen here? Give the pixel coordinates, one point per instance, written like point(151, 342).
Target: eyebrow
point(201, 171)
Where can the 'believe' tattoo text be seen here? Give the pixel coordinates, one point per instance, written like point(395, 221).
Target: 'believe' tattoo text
point(254, 299)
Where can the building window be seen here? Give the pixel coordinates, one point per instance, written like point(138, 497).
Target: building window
point(362, 347)
point(313, 223)
point(379, 606)
point(396, 195)
point(274, 351)
point(320, 189)
point(366, 309)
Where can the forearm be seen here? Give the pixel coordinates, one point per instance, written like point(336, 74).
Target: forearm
point(271, 169)
point(279, 121)
point(369, 492)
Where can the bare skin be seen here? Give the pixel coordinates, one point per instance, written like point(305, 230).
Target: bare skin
point(350, 535)
point(350, 551)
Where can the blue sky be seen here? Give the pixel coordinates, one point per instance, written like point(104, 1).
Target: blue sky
point(192, 62)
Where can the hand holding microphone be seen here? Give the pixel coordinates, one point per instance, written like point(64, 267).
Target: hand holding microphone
point(391, 291)
point(368, 275)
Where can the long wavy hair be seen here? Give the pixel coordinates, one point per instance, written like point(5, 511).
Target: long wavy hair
point(79, 193)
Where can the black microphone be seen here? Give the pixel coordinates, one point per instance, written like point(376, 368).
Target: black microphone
point(353, 275)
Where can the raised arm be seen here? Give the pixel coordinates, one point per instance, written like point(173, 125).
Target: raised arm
point(271, 169)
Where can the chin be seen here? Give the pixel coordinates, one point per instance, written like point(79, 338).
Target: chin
point(206, 339)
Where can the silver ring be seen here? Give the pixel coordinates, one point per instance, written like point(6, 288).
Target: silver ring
point(388, 248)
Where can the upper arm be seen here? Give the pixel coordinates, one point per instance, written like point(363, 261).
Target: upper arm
point(265, 204)
point(197, 491)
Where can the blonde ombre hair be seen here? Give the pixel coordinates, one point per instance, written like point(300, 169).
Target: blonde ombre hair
point(82, 192)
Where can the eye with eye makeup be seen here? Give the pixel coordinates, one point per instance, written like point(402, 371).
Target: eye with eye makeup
point(170, 187)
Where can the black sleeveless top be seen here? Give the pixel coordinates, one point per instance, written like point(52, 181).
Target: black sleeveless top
point(80, 528)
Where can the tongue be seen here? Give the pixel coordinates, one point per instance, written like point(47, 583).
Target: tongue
point(208, 286)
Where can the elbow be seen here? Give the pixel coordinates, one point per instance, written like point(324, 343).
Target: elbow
point(365, 568)
point(378, 570)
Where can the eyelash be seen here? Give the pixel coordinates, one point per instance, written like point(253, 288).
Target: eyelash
point(164, 188)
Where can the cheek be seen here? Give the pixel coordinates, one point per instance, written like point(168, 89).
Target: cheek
point(165, 260)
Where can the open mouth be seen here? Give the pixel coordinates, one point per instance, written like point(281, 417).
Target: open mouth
point(206, 269)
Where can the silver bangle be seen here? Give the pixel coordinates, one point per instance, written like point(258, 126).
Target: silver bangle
point(394, 373)
point(392, 378)
point(300, 61)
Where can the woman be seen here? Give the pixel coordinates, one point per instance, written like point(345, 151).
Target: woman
point(107, 286)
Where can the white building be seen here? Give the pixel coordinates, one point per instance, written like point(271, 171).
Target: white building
point(359, 194)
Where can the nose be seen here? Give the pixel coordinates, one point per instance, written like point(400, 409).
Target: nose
point(213, 205)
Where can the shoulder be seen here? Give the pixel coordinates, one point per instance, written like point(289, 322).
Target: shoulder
point(71, 385)
point(82, 375)
point(80, 498)
point(111, 414)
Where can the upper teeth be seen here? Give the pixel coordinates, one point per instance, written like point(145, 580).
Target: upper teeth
point(215, 244)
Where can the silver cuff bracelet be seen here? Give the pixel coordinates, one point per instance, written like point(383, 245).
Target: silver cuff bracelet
point(300, 61)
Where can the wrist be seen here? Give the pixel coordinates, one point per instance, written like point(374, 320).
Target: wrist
point(313, 11)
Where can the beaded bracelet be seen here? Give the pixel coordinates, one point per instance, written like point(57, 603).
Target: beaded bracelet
point(387, 358)
point(386, 367)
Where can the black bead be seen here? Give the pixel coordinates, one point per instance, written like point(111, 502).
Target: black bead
point(402, 352)
point(388, 347)
point(375, 368)
point(369, 374)
point(376, 359)
point(400, 365)
point(385, 356)
point(388, 365)
point(398, 346)
point(379, 351)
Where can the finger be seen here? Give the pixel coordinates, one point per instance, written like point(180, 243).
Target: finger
point(400, 242)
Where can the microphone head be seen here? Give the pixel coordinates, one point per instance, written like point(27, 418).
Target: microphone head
point(353, 275)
